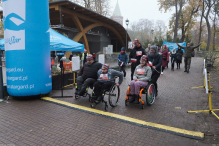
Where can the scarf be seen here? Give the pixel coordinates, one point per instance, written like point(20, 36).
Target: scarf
point(122, 52)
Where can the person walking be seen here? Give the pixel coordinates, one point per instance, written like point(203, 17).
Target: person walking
point(179, 54)
point(135, 55)
point(187, 55)
point(147, 50)
point(122, 61)
point(164, 53)
point(168, 57)
point(83, 57)
point(156, 59)
point(173, 58)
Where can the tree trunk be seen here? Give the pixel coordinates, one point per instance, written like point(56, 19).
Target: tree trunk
point(200, 30)
point(214, 32)
point(209, 32)
point(183, 34)
point(208, 25)
point(178, 14)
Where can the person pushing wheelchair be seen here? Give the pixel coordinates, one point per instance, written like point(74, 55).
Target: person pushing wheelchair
point(141, 77)
point(106, 78)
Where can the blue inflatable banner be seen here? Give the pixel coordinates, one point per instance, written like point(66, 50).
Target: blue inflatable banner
point(172, 45)
point(27, 43)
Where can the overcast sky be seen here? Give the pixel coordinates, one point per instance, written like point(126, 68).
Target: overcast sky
point(140, 9)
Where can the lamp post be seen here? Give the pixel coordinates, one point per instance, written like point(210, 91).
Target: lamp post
point(127, 23)
point(152, 32)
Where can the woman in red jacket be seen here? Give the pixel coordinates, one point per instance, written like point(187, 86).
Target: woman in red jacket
point(164, 53)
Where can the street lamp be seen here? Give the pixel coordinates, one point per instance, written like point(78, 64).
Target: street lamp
point(127, 23)
point(152, 32)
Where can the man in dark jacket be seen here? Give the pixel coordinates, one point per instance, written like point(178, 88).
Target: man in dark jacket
point(106, 78)
point(187, 55)
point(87, 75)
point(135, 56)
point(155, 58)
point(122, 61)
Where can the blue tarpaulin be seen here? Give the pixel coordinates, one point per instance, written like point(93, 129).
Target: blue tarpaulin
point(172, 45)
point(58, 42)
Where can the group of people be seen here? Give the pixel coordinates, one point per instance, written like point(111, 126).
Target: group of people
point(146, 65)
point(176, 56)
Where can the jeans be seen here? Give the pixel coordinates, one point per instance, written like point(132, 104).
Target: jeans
point(187, 61)
point(83, 84)
point(122, 68)
point(154, 78)
point(99, 87)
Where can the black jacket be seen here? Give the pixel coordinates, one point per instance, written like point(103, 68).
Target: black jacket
point(133, 55)
point(179, 54)
point(156, 60)
point(173, 57)
point(90, 71)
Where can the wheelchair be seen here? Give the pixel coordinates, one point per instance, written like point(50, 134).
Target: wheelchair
point(149, 91)
point(113, 97)
point(85, 94)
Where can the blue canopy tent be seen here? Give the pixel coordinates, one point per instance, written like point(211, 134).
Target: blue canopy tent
point(172, 45)
point(58, 42)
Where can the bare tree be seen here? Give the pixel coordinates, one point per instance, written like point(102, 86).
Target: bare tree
point(207, 8)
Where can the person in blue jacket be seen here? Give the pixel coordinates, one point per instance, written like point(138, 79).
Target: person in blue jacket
point(122, 61)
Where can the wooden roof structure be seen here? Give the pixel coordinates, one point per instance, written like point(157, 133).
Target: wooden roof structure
point(76, 16)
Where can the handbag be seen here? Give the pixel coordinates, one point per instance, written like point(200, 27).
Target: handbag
point(164, 58)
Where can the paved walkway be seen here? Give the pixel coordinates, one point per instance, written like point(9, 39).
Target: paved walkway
point(36, 122)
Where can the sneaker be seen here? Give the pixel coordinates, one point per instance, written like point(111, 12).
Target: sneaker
point(136, 99)
point(94, 97)
point(81, 93)
point(162, 73)
point(76, 92)
point(99, 99)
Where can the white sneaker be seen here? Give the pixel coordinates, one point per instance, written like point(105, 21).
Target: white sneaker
point(162, 73)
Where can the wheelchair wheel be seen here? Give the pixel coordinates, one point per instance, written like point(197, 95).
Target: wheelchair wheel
point(150, 96)
point(114, 94)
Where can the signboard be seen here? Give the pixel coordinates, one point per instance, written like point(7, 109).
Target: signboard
point(110, 49)
point(75, 63)
point(130, 45)
point(101, 58)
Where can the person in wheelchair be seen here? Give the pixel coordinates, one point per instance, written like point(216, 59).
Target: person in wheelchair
point(87, 75)
point(105, 81)
point(141, 77)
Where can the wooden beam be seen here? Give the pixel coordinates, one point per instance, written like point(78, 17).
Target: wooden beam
point(56, 7)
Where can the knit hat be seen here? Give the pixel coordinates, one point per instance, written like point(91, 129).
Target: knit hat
point(105, 66)
point(154, 48)
point(122, 49)
point(144, 58)
point(89, 57)
point(136, 41)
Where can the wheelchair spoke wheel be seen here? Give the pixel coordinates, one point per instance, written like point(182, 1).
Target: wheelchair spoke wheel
point(114, 94)
point(150, 96)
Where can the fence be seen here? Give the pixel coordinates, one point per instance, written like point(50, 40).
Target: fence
point(208, 88)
